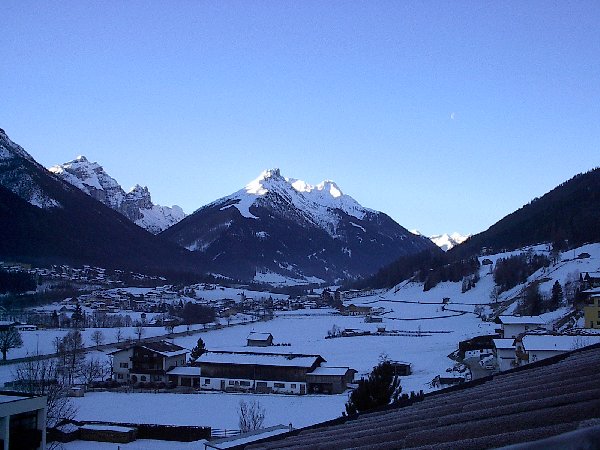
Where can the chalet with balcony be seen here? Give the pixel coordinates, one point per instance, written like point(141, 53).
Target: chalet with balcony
point(147, 362)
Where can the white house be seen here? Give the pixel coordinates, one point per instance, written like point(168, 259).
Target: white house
point(535, 347)
point(513, 326)
point(505, 353)
point(22, 421)
point(147, 362)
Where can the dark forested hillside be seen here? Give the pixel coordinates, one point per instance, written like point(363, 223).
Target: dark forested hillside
point(568, 215)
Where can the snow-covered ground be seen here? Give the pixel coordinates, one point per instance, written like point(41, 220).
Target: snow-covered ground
point(407, 308)
point(217, 410)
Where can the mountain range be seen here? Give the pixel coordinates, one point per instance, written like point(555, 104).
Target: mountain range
point(45, 220)
point(274, 230)
point(136, 204)
point(279, 227)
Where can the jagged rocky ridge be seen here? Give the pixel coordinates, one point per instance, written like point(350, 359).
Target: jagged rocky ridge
point(136, 204)
point(45, 220)
point(278, 227)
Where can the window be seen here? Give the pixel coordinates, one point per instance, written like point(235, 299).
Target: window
point(293, 386)
point(207, 381)
point(157, 378)
point(261, 384)
point(279, 385)
point(124, 365)
point(244, 383)
point(120, 376)
point(143, 378)
point(231, 382)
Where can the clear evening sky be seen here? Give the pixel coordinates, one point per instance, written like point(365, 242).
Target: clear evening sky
point(447, 115)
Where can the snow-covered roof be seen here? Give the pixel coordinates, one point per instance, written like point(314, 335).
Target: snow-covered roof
point(558, 343)
point(185, 371)
point(101, 427)
point(339, 371)
point(254, 336)
point(161, 347)
point(504, 343)
point(260, 359)
point(516, 320)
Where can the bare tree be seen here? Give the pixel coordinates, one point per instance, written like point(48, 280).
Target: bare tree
point(251, 416)
point(94, 370)
point(169, 328)
point(119, 334)
point(10, 338)
point(139, 331)
point(97, 338)
point(71, 354)
point(41, 377)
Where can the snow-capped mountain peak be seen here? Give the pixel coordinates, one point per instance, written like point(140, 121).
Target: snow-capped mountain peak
point(136, 204)
point(447, 241)
point(288, 227)
point(318, 201)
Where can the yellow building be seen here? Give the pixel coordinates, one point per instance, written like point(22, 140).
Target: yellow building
point(591, 312)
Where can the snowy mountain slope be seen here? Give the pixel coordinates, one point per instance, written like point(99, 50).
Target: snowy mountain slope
point(566, 271)
point(136, 204)
point(22, 182)
point(45, 220)
point(286, 227)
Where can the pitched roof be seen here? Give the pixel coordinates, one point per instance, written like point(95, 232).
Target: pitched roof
point(163, 347)
point(260, 359)
point(514, 320)
point(549, 342)
point(254, 336)
point(188, 371)
point(520, 405)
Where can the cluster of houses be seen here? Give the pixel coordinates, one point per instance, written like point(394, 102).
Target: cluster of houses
point(230, 371)
point(526, 339)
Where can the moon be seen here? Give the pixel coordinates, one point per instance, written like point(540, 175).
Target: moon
point(452, 115)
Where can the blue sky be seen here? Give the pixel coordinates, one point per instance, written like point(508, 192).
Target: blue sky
point(445, 115)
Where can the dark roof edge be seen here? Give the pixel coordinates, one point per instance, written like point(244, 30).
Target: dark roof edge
point(410, 402)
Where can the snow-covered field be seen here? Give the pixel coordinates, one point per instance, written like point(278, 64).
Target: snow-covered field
point(217, 410)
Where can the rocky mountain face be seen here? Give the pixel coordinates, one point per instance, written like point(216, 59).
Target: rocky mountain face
point(280, 228)
point(136, 204)
point(45, 220)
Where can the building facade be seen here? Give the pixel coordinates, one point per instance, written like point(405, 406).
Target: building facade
point(148, 362)
point(591, 312)
point(22, 421)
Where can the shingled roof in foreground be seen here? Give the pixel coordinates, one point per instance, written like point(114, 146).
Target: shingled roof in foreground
point(544, 399)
